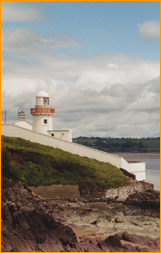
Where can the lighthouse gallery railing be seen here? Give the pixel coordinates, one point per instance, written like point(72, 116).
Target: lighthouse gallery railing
point(42, 110)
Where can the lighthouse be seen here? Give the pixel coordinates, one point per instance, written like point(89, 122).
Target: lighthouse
point(42, 113)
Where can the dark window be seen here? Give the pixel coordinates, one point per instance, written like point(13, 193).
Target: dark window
point(52, 134)
point(45, 121)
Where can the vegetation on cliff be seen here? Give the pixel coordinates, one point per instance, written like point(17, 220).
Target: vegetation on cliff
point(34, 164)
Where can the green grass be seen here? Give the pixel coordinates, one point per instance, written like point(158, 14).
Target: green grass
point(34, 164)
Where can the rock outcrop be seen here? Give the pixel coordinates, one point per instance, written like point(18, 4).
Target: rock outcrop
point(30, 224)
point(126, 242)
point(147, 199)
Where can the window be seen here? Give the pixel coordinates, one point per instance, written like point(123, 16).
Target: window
point(45, 121)
point(46, 101)
point(52, 134)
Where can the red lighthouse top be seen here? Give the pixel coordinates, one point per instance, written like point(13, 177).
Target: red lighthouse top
point(42, 104)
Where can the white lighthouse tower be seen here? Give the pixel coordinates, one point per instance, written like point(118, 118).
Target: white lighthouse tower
point(42, 113)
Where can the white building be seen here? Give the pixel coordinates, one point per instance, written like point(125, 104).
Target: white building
point(42, 113)
point(41, 132)
point(21, 121)
point(42, 119)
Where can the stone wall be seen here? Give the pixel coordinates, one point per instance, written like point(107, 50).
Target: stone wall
point(57, 191)
point(122, 193)
point(72, 191)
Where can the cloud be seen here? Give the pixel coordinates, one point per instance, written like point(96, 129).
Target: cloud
point(100, 95)
point(150, 30)
point(20, 12)
point(21, 42)
point(119, 110)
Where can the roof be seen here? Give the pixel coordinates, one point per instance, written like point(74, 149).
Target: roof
point(42, 93)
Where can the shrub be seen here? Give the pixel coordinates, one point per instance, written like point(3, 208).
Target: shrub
point(7, 170)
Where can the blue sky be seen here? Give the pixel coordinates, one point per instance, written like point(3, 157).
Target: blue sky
point(90, 56)
point(106, 26)
point(101, 26)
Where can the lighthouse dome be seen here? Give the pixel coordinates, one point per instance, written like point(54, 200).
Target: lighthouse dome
point(42, 93)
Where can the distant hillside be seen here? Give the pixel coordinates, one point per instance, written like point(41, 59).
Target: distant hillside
point(121, 144)
point(33, 164)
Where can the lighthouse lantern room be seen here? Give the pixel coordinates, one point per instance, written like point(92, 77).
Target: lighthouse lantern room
point(42, 113)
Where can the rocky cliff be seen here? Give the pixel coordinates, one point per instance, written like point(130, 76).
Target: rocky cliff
point(30, 224)
point(27, 225)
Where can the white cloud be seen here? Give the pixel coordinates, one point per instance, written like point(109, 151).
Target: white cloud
point(20, 12)
point(22, 42)
point(99, 95)
point(150, 30)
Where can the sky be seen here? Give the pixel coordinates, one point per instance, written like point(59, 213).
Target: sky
point(98, 60)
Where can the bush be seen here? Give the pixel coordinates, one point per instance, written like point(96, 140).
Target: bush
point(7, 170)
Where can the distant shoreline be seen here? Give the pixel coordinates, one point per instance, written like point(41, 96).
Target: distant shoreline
point(140, 155)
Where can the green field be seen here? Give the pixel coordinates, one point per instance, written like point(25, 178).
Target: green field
point(121, 144)
point(33, 164)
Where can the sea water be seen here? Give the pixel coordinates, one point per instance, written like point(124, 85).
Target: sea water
point(152, 167)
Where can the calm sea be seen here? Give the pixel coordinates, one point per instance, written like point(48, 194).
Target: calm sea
point(152, 166)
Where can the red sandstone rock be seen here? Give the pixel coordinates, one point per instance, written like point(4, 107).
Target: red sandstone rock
point(33, 225)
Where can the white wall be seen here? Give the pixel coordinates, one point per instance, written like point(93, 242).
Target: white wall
point(136, 168)
point(118, 161)
point(65, 135)
point(38, 123)
point(24, 124)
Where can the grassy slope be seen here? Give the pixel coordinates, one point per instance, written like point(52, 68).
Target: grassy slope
point(35, 164)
